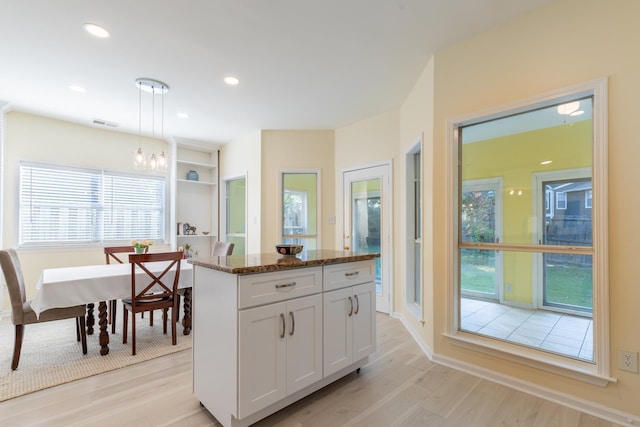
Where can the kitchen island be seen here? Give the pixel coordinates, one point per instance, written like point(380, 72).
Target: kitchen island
point(270, 330)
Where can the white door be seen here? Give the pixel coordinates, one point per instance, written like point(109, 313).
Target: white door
point(304, 342)
point(367, 222)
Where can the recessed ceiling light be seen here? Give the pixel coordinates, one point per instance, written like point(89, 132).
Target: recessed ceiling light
point(546, 162)
point(96, 30)
point(77, 88)
point(231, 81)
point(183, 115)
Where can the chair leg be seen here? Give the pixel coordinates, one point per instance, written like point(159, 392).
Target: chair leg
point(114, 312)
point(174, 327)
point(133, 333)
point(83, 333)
point(125, 323)
point(165, 314)
point(78, 328)
point(150, 318)
point(17, 347)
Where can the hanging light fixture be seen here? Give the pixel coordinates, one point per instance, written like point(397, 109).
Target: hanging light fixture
point(160, 162)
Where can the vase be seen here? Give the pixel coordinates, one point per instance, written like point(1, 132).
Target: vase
point(192, 175)
point(139, 250)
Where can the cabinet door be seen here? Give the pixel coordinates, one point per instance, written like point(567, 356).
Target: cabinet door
point(262, 358)
point(304, 342)
point(338, 310)
point(364, 321)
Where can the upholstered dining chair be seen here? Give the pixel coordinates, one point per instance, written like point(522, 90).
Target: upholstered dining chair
point(21, 312)
point(219, 249)
point(115, 254)
point(157, 292)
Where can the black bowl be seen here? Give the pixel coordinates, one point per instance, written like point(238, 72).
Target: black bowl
point(289, 249)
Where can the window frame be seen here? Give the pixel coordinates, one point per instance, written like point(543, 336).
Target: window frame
point(318, 233)
point(413, 235)
point(98, 227)
point(597, 372)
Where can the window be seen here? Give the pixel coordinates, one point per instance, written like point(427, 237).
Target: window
point(414, 226)
point(236, 214)
point(67, 206)
point(552, 166)
point(300, 202)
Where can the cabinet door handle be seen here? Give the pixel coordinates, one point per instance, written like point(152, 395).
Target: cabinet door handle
point(283, 326)
point(350, 306)
point(293, 323)
point(352, 274)
point(285, 285)
point(357, 304)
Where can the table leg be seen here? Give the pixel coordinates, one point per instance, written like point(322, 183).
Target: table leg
point(102, 322)
point(186, 316)
point(90, 318)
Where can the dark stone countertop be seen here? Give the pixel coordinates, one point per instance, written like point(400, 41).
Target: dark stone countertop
point(262, 263)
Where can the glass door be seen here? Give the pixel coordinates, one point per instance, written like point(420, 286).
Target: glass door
point(367, 222)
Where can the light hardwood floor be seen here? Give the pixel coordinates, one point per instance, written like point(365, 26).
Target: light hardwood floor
point(399, 387)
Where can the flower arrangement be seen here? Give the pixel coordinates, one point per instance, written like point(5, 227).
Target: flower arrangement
point(140, 246)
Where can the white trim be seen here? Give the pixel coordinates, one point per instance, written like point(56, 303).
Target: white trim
point(598, 89)
point(409, 230)
point(222, 234)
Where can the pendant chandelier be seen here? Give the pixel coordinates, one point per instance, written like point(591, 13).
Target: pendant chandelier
point(159, 162)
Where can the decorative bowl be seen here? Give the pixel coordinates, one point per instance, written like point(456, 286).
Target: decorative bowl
point(289, 249)
point(205, 232)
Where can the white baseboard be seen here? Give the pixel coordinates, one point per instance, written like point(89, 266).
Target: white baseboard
point(583, 405)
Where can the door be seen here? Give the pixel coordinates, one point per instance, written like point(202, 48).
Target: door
point(481, 222)
point(367, 222)
point(262, 354)
point(304, 342)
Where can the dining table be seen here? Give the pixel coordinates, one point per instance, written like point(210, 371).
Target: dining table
point(88, 284)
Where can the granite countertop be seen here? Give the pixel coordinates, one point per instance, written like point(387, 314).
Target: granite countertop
point(262, 263)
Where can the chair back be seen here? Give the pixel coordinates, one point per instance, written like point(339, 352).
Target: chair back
point(110, 253)
point(12, 270)
point(160, 288)
point(222, 248)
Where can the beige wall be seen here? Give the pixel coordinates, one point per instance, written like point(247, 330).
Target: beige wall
point(242, 158)
point(564, 43)
point(35, 138)
point(291, 149)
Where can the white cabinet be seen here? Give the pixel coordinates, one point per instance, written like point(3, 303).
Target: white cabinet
point(349, 326)
point(280, 350)
point(196, 200)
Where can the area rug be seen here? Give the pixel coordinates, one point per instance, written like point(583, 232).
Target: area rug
point(51, 355)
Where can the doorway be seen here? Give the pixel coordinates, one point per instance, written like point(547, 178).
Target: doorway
point(367, 222)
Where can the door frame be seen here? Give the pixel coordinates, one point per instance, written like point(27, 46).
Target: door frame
point(383, 171)
point(222, 226)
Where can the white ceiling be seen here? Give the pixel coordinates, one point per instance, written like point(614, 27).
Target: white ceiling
point(302, 64)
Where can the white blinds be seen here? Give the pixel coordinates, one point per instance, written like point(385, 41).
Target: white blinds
point(61, 206)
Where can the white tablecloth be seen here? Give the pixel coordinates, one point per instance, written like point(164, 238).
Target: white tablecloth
point(69, 286)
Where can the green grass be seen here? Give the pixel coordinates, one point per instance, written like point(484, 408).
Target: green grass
point(566, 284)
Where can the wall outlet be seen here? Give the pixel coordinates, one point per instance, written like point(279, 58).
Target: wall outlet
point(628, 361)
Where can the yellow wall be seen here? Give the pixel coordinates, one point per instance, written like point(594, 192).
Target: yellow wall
point(35, 138)
point(296, 150)
point(564, 43)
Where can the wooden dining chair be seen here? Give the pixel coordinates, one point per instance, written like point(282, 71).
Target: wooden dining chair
point(116, 254)
point(154, 291)
point(21, 312)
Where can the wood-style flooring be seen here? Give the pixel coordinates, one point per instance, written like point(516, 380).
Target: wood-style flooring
point(399, 387)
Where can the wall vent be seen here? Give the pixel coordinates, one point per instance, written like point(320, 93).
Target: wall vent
point(104, 123)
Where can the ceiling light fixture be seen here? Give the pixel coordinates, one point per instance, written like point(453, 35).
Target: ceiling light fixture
point(231, 81)
point(160, 162)
point(568, 108)
point(96, 30)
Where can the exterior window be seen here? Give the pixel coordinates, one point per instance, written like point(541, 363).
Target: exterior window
point(300, 209)
point(526, 253)
point(561, 200)
point(66, 206)
point(235, 214)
